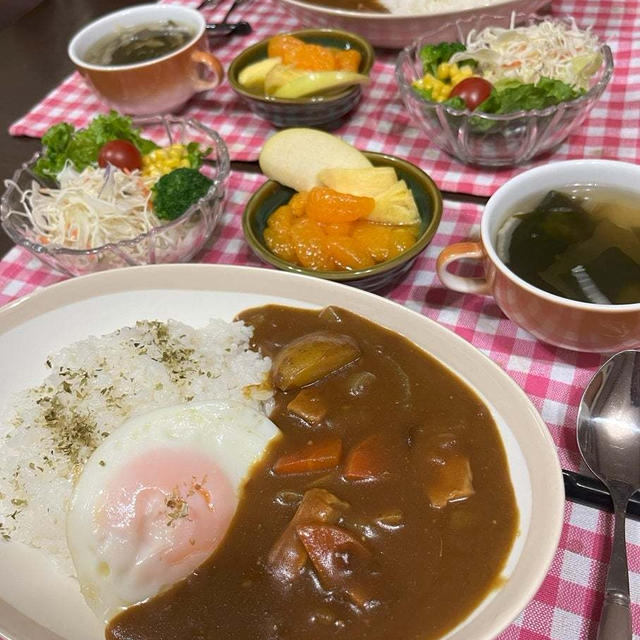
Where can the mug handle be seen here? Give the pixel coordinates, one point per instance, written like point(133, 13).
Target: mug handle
point(459, 251)
point(214, 66)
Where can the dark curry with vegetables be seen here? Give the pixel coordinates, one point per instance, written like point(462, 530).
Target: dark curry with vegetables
point(385, 512)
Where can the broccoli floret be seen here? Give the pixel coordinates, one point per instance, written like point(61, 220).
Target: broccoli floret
point(176, 191)
point(432, 55)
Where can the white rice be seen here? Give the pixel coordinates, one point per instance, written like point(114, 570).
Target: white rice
point(419, 7)
point(49, 431)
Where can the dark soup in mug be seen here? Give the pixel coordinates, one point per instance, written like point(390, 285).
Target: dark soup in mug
point(139, 43)
point(579, 242)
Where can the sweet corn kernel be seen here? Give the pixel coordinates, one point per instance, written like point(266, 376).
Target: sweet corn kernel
point(443, 71)
point(464, 72)
point(163, 160)
point(448, 75)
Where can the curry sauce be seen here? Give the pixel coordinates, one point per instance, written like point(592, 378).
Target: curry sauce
point(385, 511)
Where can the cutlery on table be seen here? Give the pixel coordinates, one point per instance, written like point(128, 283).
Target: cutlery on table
point(226, 28)
point(207, 4)
point(591, 492)
point(609, 441)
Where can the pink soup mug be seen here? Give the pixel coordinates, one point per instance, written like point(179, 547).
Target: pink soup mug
point(562, 322)
point(160, 85)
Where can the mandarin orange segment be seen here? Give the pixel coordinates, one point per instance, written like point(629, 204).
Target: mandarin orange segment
point(322, 230)
point(329, 206)
point(298, 203)
point(313, 57)
point(306, 225)
point(311, 246)
point(339, 228)
point(377, 238)
point(281, 217)
point(283, 46)
point(311, 252)
point(348, 60)
point(348, 253)
point(280, 243)
point(402, 239)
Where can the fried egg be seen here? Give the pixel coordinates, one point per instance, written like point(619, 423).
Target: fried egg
point(156, 498)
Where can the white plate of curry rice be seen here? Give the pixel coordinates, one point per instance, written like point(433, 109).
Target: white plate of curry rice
point(440, 491)
point(396, 23)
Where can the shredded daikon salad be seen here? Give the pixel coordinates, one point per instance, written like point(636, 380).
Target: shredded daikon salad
point(90, 208)
point(550, 49)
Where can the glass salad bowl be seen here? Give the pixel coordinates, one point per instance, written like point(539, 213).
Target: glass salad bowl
point(487, 139)
point(178, 240)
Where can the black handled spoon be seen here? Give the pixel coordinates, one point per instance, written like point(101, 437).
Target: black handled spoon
point(226, 28)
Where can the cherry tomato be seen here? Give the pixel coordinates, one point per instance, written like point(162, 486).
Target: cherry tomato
point(120, 153)
point(472, 90)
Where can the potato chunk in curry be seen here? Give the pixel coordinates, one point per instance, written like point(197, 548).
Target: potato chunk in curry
point(312, 357)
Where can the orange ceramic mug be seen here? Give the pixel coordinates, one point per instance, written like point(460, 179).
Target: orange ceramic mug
point(559, 321)
point(160, 85)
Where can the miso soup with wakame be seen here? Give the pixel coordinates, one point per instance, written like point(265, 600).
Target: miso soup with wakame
point(578, 242)
point(140, 43)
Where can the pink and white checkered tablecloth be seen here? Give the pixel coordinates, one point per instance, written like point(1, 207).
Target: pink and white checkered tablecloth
point(380, 122)
point(567, 605)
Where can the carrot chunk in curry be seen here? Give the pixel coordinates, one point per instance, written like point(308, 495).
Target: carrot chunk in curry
point(288, 556)
point(339, 559)
point(367, 460)
point(315, 456)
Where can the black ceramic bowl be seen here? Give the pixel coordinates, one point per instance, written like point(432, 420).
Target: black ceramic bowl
point(327, 111)
point(272, 194)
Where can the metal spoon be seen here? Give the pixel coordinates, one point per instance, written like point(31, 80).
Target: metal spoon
point(609, 441)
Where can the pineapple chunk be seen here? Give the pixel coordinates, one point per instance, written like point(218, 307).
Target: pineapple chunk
point(253, 76)
point(370, 182)
point(395, 206)
point(280, 75)
point(316, 82)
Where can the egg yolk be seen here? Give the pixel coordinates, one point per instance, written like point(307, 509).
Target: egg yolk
point(162, 514)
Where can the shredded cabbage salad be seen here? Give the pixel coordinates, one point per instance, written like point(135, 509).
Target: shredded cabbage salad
point(90, 208)
point(548, 49)
point(107, 184)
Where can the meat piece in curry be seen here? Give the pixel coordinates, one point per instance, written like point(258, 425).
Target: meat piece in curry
point(385, 512)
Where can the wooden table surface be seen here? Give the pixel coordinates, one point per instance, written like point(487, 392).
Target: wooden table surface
point(33, 60)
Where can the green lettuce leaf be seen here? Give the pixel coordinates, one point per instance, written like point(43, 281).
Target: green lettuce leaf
point(55, 140)
point(513, 95)
point(423, 93)
point(456, 102)
point(81, 147)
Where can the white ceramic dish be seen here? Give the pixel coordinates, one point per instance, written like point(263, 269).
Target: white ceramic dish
point(397, 31)
point(38, 604)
